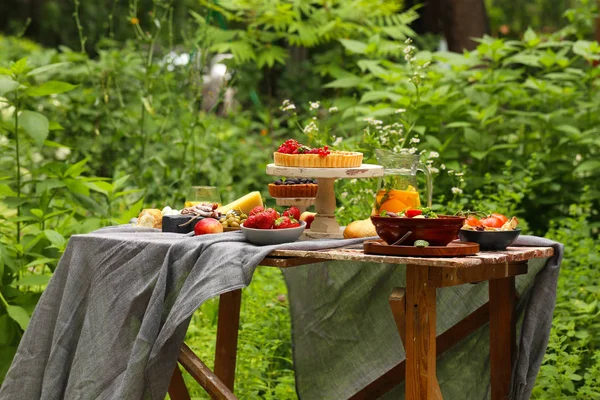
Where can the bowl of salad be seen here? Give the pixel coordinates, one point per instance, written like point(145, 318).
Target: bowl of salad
point(493, 232)
point(423, 224)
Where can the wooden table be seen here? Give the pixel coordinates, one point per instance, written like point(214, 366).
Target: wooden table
point(414, 310)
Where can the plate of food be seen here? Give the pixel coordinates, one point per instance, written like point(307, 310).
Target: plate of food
point(493, 231)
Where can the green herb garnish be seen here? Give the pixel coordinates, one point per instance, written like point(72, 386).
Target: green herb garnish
point(421, 243)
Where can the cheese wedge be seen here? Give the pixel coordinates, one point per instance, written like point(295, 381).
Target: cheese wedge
point(244, 204)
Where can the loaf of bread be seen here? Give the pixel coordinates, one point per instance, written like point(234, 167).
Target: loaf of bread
point(150, 218)
point(360, 229)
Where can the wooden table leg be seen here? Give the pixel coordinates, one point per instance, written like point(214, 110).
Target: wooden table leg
point(177, 388)
point(502, 335)
point(227, 335)
point(420, 334)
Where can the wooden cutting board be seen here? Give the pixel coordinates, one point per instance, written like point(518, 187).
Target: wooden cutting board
point(453, 249)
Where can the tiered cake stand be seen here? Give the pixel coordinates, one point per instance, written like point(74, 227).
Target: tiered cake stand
point(324, 225)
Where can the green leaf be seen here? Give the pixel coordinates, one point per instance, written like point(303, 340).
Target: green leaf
point(458, 124)
point(55, 126)
point(19, 66)
point(39, 261)
point(531, 37)
point(7, 85)
point(354, 45)
point(76, 169)
point(118, 184)
point(5, 190)
point(380, 95)
point(132, 212)
point(35, 125)
point(346, 82)
point(20, 315)
point(50, 87)
point(34, 280)
point(47, 68)
point(55, 238)
point(479, 155)
point(472, 136)
point(102, 187)
point(588, 165)
point(8, 330)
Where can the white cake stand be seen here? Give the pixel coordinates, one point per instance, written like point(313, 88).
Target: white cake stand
point(325, 225)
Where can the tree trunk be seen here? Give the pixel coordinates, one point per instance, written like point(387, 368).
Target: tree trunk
point(458, 20)
point(464, 20)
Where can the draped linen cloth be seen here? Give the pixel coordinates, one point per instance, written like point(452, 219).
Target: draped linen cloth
point(114, 315)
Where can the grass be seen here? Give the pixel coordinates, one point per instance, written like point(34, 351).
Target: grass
point(264, 363)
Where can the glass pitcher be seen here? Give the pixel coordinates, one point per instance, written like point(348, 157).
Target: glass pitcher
point(397, 189)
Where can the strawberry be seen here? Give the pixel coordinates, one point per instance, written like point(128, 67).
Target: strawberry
point(286, 222)
point(256, 210)
point(292, 212)
point(250, 222)
point(264, 220)
point(273, 212)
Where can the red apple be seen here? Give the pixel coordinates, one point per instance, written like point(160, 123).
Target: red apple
point(208, 225)
point(307, 217)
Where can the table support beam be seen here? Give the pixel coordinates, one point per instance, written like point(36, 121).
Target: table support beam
point(227, 335)
point(502, 335)
point(420, 334)
point(177, 388)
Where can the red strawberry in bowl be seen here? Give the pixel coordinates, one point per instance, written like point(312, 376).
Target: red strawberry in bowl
point(286, 222)
point(250, 222)
point(264, 220)
point(256, 210)
point(292, 212)
point(273, 212)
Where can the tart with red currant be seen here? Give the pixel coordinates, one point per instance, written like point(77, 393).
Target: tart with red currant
point(294, 154)
point(293, 188)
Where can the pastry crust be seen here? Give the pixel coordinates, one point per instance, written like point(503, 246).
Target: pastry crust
point(287, 191)
point(336, 159)
point(150, 218)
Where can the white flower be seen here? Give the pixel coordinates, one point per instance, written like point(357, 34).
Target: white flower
point(434, 170)
point(312, 127)
point(337, 141)
point(408, 41)
point(62, 153)
point(434, 154)
point(3, 141)
point(372, 121)
point(578, 157)
point(450, 172)
point(427, 64)
point(344, 195)
point(333, 109)
point(36, 158)
point(314, 105)
point(459, 174)
point(443, 166)
point(289, 107)
point(456, 190)
point(415, 140)
point(412, 150)
point(400, 110)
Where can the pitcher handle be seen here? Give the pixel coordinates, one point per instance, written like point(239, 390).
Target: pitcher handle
point(425, 169)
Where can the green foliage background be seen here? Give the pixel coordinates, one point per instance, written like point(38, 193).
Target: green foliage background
point(92, 132)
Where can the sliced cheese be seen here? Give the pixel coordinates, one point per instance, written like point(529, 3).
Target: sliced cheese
point(244, 204)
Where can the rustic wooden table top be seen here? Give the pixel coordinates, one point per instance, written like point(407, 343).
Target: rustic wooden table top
point(510, 255)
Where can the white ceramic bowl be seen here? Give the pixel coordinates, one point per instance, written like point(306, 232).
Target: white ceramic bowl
point(273, 236)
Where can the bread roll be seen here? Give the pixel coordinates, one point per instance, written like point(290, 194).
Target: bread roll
point(360, 229)
point(150, 218)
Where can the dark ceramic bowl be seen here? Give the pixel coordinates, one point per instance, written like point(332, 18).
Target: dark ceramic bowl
point(437, 231)
point(490, 240)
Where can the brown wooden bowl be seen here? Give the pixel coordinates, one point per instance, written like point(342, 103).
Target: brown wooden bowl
point(437, 231)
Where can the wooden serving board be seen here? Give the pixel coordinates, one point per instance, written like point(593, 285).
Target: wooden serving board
point(453, 249)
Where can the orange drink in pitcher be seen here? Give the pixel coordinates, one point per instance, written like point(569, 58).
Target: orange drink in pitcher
point(397, 189)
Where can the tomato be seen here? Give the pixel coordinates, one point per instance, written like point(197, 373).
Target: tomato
point(500, 217)
point(473, 221)
point(412, 213)
point(492, 222)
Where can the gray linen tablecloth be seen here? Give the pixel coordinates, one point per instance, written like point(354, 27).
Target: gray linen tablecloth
point(115, 313)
